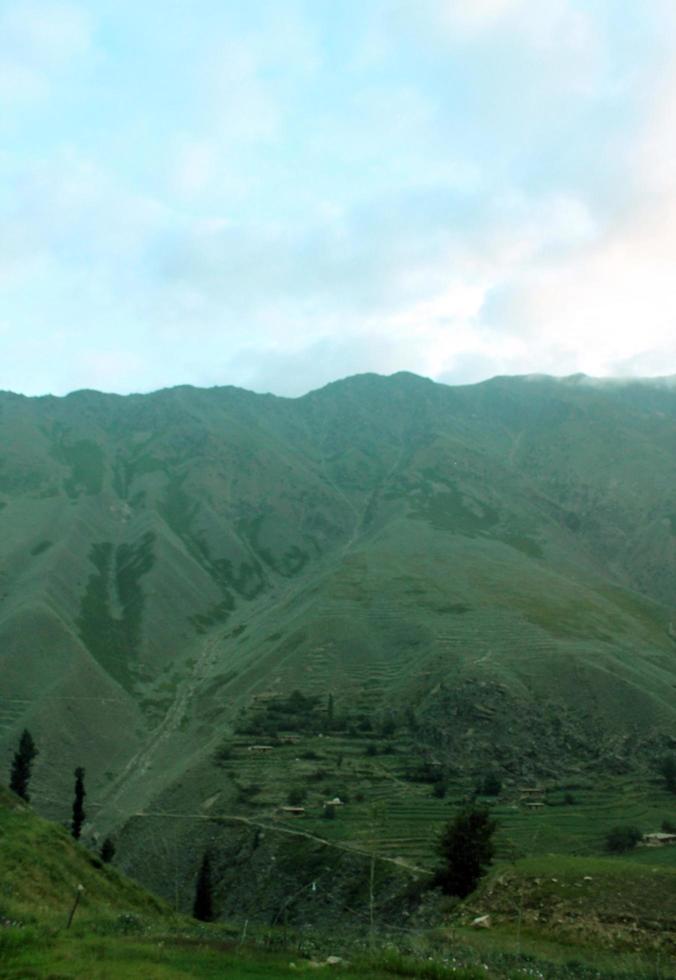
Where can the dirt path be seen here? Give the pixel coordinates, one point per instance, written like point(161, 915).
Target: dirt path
point(278, 829)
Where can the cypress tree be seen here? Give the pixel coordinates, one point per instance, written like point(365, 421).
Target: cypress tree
point(78, 803)
point(22, 764)
point(107, 850)
point(202, 907)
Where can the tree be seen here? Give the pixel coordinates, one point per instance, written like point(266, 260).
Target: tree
point(78, 803)
point(202, 908)
point(668, 772)
point(296, 796)
point(621, 839)
point(466, 847)
point(107, 850)
point(330, 711)
point(22, 765)
point(490, 785)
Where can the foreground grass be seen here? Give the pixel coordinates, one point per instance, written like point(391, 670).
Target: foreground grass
point(27, 953)
point(62, 957)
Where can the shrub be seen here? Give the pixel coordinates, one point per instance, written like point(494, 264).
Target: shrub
point(316, 776)
point(439, 791)
point(668, 827)
point(222, 754)
point(621, 839)
point(667, 769)
point(569, 799)
point(490, 785)
point(296, 796)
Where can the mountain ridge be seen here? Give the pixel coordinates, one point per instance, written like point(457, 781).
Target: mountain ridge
point(497, 559)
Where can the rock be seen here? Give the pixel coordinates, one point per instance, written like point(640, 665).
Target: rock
point(481, 922)
point(334, 960)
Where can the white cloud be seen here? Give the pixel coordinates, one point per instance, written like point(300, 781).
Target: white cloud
point(40, 41)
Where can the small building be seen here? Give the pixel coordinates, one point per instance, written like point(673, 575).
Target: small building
point(260, 748)
point(529, 795)
point(336, 801)
point(292, 811)
point(533, 804)
point(658, 840)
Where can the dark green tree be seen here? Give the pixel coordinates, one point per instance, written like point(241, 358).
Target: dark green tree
point(466, 848)
point(296, 796)
point(202, 908)
point(621, 839)
point(22, 765)
point(668, 772)
point(330, 709)
point(78, 803)
point(107, 850)
point(490, 785)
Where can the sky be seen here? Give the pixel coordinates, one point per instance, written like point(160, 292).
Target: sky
point(279, 193)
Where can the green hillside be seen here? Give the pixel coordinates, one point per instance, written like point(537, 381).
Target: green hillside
point(481, 578)
point(563, 918)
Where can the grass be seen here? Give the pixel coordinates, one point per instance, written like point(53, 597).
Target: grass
point(86, 956)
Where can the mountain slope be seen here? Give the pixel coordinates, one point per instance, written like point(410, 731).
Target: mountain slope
point(497, 559)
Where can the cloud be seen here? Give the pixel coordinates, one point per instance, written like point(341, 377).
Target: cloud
point(458, 189)
point(39, 43)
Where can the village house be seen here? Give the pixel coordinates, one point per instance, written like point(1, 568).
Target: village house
point(658, 840)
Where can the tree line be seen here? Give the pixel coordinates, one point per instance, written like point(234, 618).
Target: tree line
point(19, 780)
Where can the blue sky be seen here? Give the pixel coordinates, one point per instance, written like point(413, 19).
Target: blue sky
point(278, 193)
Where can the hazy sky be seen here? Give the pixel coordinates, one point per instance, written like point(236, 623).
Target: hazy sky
point(278, 193)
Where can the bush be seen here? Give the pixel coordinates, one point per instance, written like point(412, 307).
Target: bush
point(329, 812)
point(667, 769)
point(668, 827)
point(490, 785)
point(296, 796)
point(246, 793)
point(316, 776)
point(622, 839)
point(569, 799)
point(223, 754)
point(466, 847)
point(439, 791)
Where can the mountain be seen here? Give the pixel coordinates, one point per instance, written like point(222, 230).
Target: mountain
point(488, 568)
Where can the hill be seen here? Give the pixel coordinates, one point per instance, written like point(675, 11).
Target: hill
point(479, 577)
